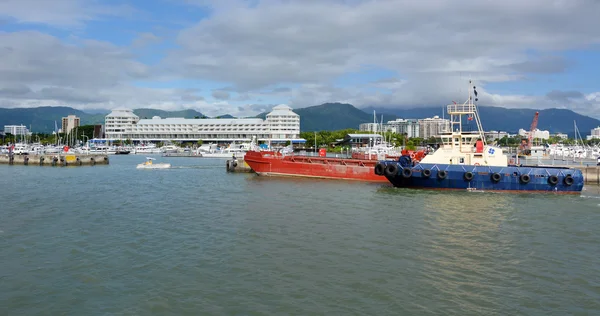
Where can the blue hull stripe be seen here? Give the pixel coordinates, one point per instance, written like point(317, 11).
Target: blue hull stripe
point(482, 178)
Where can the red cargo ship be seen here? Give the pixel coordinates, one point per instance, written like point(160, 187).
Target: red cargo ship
point(360, 167)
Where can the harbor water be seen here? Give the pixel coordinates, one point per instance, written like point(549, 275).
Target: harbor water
point(197, 240)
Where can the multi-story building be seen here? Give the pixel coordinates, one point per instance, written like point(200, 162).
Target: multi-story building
point(98, 131)
point(409, 127)
point(69, 123)
point(536, 134)
point(561, 135)
point(280, 125)
point(283, 124)
point(119, 122)
point(370, 127)
point(433, 127)
point(594, 133)
point(495, 135)
point(16, 129)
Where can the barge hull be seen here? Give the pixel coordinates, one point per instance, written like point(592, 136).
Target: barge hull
point(274, 164)
point(511, 178)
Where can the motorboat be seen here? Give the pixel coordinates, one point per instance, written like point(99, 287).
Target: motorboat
point(149, 164)
point(214, 151)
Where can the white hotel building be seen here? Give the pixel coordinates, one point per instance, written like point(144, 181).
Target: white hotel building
point(539, 134)
point(16, 129)
point(281, 125)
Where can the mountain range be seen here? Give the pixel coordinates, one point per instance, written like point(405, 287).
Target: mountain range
point(328, 116)
point(510, 120)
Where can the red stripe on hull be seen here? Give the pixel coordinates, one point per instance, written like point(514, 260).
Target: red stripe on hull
point(269, 163)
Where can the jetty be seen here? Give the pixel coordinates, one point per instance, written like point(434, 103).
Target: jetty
point(58, 159)
point(237, 165)
point(184, 154)
point(591, 174)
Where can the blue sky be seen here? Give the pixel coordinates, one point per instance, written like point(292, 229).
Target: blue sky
point(242, 57)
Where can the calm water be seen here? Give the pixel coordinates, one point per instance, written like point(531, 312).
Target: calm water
point(194, 240)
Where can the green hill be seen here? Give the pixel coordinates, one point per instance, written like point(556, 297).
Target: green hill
point(41, 119)
point(333, 116)
point(328, 116)
point(511, 120)
point(149, 113)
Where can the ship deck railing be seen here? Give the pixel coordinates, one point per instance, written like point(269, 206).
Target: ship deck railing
point(461, 109)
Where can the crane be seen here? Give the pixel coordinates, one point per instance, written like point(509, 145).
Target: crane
point(534, 123)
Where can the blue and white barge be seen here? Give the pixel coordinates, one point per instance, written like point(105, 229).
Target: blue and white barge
point(465, 162)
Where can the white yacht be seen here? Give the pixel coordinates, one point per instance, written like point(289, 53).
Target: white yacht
point(214, 151)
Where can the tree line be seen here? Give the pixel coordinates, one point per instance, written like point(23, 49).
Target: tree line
point(79, 134)
point(323, 139)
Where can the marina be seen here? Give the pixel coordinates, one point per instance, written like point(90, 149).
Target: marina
point(144, 241)
point(206, 157)
point(58, 159)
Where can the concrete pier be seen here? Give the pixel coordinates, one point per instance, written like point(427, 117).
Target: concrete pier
point(237, 165)
point(591, 175)
point(58, 159)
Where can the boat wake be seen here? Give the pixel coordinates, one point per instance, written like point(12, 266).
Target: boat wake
point(196, 167)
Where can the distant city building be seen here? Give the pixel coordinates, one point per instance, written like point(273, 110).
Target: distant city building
point(409, 127)
point(594, 133)
point(69, 123)
point(98, 131)
point(495, 135)
point(424, 128)
point(16, 129)
point(432, 127)
point(560, 135)
point(280, 125)
point(370, 127)
point(536, 134)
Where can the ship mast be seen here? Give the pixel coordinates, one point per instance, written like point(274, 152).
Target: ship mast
point(469, 109)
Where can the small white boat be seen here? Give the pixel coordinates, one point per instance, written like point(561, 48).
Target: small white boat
point(150, 165)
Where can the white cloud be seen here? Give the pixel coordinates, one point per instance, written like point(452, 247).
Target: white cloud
point(434, 45)
point(145, 39)
point(63, 13)
point(293, 50)
point(220, 95)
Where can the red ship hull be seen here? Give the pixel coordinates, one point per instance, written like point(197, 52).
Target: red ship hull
point(274, 164)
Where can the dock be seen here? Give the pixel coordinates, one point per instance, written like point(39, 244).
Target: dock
point(591, 174)
point(237, 165)
point(58, 159)
point(187, 154)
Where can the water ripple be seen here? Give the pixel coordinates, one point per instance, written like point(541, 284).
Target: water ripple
point(196, 240)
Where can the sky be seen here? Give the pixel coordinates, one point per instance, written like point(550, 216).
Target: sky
point(242, 57)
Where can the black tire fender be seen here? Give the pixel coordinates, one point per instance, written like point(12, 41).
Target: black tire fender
point(391, 170)
point(426, 173)
point(407, 172)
